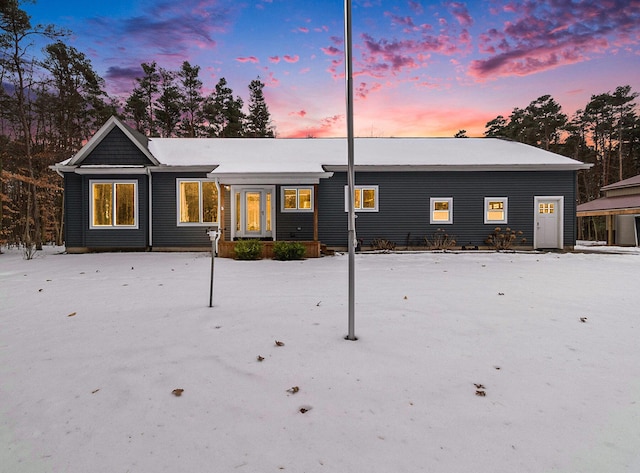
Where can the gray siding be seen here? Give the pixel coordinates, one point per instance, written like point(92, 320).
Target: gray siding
point(116, 149)
point(166, 232)
point(77, 232)
point(403, 200)
point(292, 225)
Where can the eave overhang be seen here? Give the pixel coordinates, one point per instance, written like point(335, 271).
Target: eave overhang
point(270, 178)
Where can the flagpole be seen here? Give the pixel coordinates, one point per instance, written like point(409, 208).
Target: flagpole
point(350, 167)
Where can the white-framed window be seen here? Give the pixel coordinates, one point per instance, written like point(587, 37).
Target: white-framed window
point(198, 202)
point(441, 210)
point(365, 198)
point(296, 199)
point(495, 209)
point(113, 204)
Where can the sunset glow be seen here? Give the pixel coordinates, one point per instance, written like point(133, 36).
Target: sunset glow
point(421, 68)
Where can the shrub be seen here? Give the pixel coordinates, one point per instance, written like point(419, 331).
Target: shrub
point(248, 249)
point(288, 250)
point(503, 240)
point(382, 244)
point(440, 240)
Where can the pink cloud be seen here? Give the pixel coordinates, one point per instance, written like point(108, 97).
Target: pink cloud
point(274, 59)
point(291, 59)
point(252, 59)
point(548, 34)
point(305, 70)
point(300, 113)
point(303, 29)
point(331, 51)
point(460, 13)
point(326, 127)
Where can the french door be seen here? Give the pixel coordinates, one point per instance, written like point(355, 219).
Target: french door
point(253, 211)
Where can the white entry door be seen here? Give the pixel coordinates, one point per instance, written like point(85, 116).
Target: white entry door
point(548, 231)
point(253, 210)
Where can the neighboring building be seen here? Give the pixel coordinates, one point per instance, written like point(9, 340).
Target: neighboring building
point(126, 191)
point(621, 207)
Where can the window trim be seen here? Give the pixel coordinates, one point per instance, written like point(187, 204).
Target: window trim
point(200, 223)
point(360, 188)
point(297, 189)
point(505, 204)
point(113, 183)
point(434, 200)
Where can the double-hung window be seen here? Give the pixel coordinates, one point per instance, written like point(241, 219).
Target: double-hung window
point(495, 210)
point(365, 198)
point(297, 199)
point(197, 202)
point(441, 210)
point(114, 204)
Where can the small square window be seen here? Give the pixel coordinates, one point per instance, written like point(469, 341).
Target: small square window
point(365, 198)
point(441, 210)
point(495, 210)
point(297, 199)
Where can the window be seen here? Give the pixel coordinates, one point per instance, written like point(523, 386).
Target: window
point(495, 210)
point(297, 199)
point(546, 208)
point(197, 202)
point(441, 210)
point(113, 204)
point(365, 198)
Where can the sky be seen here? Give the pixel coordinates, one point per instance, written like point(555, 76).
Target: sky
point(421, 68)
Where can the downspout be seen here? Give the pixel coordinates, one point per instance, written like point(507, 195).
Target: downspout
point(150, 209)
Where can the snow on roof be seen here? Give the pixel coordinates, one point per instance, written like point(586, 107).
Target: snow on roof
point(243, 155)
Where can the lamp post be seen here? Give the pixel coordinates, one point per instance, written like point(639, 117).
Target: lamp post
point(214, 235)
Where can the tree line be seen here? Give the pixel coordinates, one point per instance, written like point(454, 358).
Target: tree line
point(52, 101)
point(606, 133)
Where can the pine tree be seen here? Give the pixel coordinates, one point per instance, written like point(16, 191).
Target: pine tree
point(191, 89)
point(259, 119)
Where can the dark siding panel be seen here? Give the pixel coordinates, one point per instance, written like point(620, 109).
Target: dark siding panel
point(118, 238)
point(166, 232)
point(74, 205)
point(403, 215)
point(288, 223)
point(117, 149)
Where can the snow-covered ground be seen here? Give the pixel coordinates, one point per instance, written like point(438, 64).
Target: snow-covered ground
point(93, 346)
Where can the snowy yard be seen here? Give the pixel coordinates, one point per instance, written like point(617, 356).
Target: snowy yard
point(471, 362)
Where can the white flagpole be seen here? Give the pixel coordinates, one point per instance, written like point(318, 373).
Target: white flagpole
point(350, 167)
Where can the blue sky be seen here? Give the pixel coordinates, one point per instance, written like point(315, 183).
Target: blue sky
point(422, 68)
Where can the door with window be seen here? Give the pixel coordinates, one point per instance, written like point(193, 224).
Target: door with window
point(548, 231)
point(253, 211)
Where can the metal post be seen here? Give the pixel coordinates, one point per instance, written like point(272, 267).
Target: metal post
point(350, 167)
point(213, 259)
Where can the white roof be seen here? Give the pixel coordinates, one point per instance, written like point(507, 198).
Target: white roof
point(315, 155)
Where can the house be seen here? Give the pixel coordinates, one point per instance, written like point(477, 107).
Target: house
point(621, 207)
point(127, 191)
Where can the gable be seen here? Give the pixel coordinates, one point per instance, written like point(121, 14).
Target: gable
point(116, 149)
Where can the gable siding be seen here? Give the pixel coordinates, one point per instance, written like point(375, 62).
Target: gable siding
point(404, 205)
point(166, 232)
point(116, 149)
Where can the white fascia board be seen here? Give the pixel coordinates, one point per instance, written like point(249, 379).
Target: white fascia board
point(461, 167)
point(178, 169)
point(267, 178)
point(101, 134)
point(95, 170)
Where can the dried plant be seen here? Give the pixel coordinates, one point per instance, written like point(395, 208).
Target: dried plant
point(382, 244)
point(440, 240)
point(504, 240)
